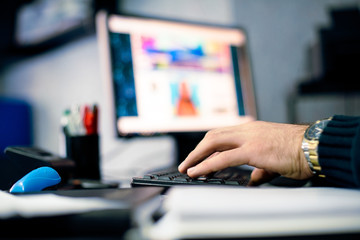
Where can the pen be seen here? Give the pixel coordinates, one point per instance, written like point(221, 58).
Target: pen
point(80, 120)
point(96, 118)
point(77, 120)
point(89, 119)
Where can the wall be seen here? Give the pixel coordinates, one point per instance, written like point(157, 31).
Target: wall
point(51, 82)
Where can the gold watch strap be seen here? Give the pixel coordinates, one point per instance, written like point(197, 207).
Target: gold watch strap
point(311, 155)
point(310, 145)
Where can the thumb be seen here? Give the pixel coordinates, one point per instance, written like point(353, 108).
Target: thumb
point(259, 176)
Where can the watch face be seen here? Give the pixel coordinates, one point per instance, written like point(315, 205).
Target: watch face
point(315, 130)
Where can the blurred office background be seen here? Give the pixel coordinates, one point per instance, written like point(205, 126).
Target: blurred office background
point(49, 60)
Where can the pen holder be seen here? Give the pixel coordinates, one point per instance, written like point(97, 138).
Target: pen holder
point(84, 150)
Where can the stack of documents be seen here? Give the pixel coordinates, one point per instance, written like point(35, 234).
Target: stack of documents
point(218, 212)
point(41, 205)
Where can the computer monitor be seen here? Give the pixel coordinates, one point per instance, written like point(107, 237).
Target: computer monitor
point(172, 77)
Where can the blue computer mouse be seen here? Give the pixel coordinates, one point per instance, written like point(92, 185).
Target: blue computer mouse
point(36, 180)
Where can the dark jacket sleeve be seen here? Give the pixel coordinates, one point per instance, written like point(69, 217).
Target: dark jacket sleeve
point(339, 151)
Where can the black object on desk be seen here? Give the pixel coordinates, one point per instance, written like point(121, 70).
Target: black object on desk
point(20, 160)
point(166, 178)
point(99, 224)
point(231, 176)
point(84, 150)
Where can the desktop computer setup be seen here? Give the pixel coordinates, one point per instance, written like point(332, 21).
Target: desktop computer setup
point(179, 79)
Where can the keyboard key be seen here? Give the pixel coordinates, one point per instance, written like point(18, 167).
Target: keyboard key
point(201, 179)
point(182, 179)
point(231, 182)
point(215, 181)
point(149, 176)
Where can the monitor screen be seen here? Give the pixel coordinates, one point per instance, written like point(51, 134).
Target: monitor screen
point(169, 76)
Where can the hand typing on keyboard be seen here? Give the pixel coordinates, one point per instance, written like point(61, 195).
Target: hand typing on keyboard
point(273, 148)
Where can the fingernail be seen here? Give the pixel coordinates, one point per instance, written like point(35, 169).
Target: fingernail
point(191, 170)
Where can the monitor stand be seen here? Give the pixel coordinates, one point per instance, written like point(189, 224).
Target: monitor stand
point(185, 143)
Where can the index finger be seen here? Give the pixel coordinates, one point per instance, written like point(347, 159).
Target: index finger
point(214, 141)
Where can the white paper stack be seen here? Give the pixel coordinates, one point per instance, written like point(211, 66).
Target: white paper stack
point(200, 212)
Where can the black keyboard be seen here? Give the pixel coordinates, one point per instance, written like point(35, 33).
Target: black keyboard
point(166, 178)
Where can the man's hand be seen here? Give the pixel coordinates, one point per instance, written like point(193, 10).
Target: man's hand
point(272, 148)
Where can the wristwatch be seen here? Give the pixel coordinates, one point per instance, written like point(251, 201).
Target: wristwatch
point(310, 145)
